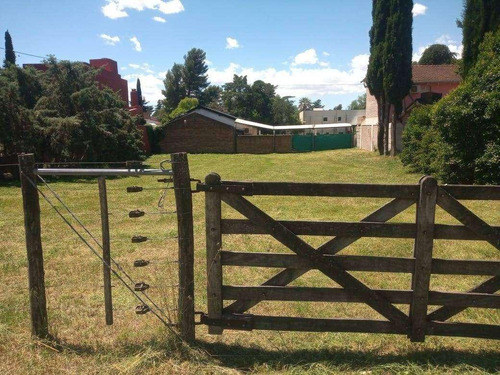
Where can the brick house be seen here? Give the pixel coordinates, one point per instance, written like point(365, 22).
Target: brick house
point(430, 83)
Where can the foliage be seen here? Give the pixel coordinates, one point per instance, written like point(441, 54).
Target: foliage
point(62, 115)
point(284, 112)
point(337, 107)
point(211, 97)
point(10, 55)
point(421, 143)
point(174, 88)
point(317, 104)
point(185, 105)
point(194, 71)
point(437, 54)
point(237, 97)
point(139, 92)
point(469, 120)
point(359, 103)
point(305, 104)
point(479, 17)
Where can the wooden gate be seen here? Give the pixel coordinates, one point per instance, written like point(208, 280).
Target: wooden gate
point(419, 323)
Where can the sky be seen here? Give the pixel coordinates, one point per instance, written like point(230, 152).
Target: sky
point(313, 48)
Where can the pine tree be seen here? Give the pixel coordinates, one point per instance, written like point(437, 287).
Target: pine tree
point(139, 93)
point(479, 17)
point(194, 72)
point(174, 88)
point(10, 56)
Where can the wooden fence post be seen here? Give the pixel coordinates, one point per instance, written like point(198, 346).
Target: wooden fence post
point(214, 244)
point(426, 209)
point(184, 204)
point(106, 250)
point(32, 227)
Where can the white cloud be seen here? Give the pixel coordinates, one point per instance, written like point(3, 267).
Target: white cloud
point(108, 39)
point(323, 63)
point(326, 54)
point(160, 19)
point(418, 9)
point(297, 81)
point(208, 62)
point(308, 57)
point(445, 39)
point(232, 43)
point(136, 43)
point(117, 8)
point(145, 67)
point(151, 85)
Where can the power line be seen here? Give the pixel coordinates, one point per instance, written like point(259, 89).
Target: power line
point(27, 54)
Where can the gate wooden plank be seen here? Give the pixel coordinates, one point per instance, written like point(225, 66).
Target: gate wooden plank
point(333, 246)
point(468, 218)
point(473, 192)
point(361, 263)
point(314, 294)
point(446, 312)
point(214, 265)
point(355, 229)
point(426, 209)
point(481, 331)
point(330, 269)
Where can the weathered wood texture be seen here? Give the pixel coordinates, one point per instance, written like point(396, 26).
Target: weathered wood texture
point(214, 243)
point(106, 250)
point(184, 207)
point(32, 228)
point(424, 240)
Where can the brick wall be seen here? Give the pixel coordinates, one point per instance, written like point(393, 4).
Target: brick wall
point(198, 134)
point(263, 144)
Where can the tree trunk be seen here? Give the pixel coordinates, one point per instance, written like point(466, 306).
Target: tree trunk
point(393, 133)
point(387, 110)
point(381, 128)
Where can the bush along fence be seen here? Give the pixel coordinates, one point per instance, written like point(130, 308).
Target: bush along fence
point(419, 323)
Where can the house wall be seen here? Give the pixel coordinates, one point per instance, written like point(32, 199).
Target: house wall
point(263, 144)
point(198, 134)
point(109, 77)
point(332, 116)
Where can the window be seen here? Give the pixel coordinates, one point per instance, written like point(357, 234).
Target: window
point(339, 118)
point(325, 118)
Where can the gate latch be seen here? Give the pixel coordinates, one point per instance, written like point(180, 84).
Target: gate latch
point(242, 322)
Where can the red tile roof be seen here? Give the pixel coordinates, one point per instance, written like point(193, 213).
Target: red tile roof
point(435, 73)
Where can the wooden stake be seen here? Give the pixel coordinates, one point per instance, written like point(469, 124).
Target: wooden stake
point(32, 227)
point(184, 204)
point(106, 250)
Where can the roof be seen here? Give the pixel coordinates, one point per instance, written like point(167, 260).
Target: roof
point(435, 73)
point(291, 127)
point(222, 117)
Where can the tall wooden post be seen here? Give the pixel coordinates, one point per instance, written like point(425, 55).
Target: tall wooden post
point(214, 244)
point(32, 227)
point(106, 250)
point(426, 208)
point(184, 204)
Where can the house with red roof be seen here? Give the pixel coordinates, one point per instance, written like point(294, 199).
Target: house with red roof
point(430, 83)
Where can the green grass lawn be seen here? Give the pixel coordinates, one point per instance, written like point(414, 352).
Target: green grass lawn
point(140, 343)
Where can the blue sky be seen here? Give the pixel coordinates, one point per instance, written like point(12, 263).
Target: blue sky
point(314, 48)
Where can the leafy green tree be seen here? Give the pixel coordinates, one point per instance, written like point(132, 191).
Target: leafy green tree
point(174, 88)
point(212, 97)
point(305, 104)
point(437, 54)
point(468, 120)
point(237, 97)
point(139, 92)
point(284, 111)
point(337, 107)
point(317, 104)
point(185, 105)
point(262, 101)
point(359, 103)
point(479, 17)
point(194, 73)
point(10, 55)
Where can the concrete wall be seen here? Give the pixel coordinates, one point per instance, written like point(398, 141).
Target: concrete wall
point(332, 116)
point(367, 137)
point(263, 144)
point(198, 134)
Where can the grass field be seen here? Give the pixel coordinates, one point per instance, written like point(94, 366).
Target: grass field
point(141, 344)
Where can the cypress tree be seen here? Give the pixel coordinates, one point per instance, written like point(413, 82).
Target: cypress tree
point(139, 92)
point(479, 17)
point(10, 56)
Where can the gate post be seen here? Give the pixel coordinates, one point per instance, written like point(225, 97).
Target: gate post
point(214, 244)
point(32, 228)
point(184, 208)
point(426, 208)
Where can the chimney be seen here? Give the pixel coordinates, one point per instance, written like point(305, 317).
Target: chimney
point(134, 102)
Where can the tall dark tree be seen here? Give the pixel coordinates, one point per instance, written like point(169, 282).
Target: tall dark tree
point(359, 103)
point(194, 72)
point(389, 70)
point(237, 97)
point(262, 101)
point(338, 107)
point(479, 17)
point(437, 54)
point(305, 104)
point(140, 101)
point(397, 62)
point(10, 56)
point(174, 88)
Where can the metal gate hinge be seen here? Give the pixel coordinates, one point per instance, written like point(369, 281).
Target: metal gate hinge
point(140, 287)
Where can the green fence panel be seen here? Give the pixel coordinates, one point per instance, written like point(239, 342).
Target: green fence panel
point(302, 143)
point(332, 141)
